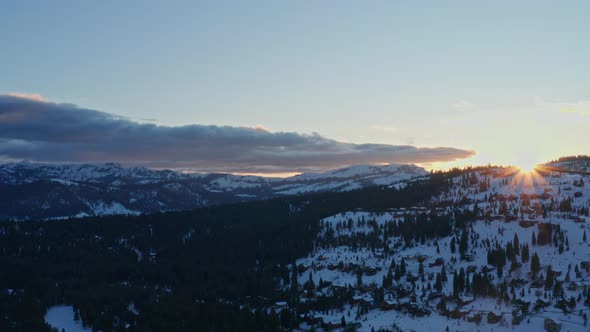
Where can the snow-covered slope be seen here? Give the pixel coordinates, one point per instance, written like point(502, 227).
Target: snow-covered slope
point(58, 191)
point(112, 173)
point(350, 178)
point(389, 264)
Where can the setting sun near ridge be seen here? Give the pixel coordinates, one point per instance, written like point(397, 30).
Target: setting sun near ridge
point(526, 163)
point(527, 167)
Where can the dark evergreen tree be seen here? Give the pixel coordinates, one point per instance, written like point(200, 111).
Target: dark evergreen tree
point(535, 265)
point(463, 242)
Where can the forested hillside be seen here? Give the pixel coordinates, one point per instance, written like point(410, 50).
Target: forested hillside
point(216, 269)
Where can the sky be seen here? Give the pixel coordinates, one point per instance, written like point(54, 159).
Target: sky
point(440, 83)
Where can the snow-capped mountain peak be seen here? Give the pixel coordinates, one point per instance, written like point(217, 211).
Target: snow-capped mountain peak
point(62, 190)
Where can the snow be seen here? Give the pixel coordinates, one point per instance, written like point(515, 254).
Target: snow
point(102, 208)
point(141, 186)
point(232, 182)
point(325, 262)
point(138, 253)
point(131, 307)
point(64, 182)
point(350, 178)
point(62, 317)
point(26, 172)
point(362, 170)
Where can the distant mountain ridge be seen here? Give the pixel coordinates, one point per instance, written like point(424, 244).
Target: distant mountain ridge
point(45, 191)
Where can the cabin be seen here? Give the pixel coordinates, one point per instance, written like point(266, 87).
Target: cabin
point(313, 320)
point(556, 272)
point(457, 314)
point(518, 282)
point(434, 295)
point(541, 304)
point(474, 317)
point(280, 306)
point(350, 327)
point(551, 326)
point(302, 268)
point(389, 305)
point(337, 286)
point(329, 326)
point(356, 299)
point(379, 253)
point(370, 271)
point(487, 268)
point(463, 300)
point(573, 287)
point(437, 262)
point(526, 223)
point(493, 318)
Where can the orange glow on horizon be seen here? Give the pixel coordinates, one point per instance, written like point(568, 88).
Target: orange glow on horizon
point(270, 175)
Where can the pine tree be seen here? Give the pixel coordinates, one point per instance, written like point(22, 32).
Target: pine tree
point(455, 284)
point(403, 266)
point(310, 285)
point(294, 283)
point(463, 244)
point(525, 253)
point(461, 280)
point(535, 264)
point(510, 252)
point(549, 279)
point(359, 277)
point(443, 273)
point(438, 284)
point(398, 273)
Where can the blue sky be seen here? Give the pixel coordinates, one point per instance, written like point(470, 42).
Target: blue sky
point(425, 73)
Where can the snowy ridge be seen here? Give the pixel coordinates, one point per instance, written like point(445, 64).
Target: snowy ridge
point(48, 191)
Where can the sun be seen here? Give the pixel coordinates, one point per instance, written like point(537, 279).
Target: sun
point(527, 166)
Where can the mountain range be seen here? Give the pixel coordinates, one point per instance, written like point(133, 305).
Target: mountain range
point(50, 191)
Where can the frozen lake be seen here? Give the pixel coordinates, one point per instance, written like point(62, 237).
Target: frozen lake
point(62, 317)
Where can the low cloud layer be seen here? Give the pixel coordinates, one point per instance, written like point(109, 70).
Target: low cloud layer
point(38, 130)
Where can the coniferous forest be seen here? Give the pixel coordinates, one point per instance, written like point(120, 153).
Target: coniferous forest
point(209, 269)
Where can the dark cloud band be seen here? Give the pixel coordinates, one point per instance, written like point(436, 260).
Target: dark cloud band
point(38, 130)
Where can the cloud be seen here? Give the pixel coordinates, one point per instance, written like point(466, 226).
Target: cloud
point(31, 96)
point(38, 130)
point(581, 107)
point(462, 105)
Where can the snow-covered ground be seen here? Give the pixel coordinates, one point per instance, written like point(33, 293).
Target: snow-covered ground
point(62, 317)
point(531, 202)
point(102, 208)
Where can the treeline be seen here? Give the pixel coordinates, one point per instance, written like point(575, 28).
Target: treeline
point(579, 157)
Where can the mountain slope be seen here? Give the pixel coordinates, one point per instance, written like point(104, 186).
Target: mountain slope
point(499, 249)
point(42, 191)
